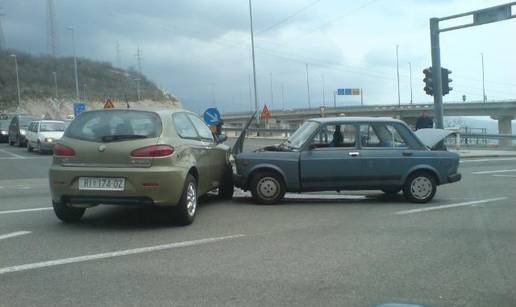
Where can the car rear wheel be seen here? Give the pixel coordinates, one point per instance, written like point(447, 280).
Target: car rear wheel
point(187, 207)
point(227, 188)
point(267, 187)
point(66, 213)
point(420, 187)
point(29, 148)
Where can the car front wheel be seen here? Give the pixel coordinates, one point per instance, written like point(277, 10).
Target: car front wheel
point(29, 148)
point(187, 207)
point(420, 187)
point(66, 213)
point(267, 187)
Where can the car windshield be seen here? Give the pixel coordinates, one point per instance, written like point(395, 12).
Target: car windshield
point(116, 125)
point(298, 138)
point(52, 126)
point(4, 124)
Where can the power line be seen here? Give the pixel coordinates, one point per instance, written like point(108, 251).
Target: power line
point(286, 19)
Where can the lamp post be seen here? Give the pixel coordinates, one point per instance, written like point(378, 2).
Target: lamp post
point(71, 29)
point(17, 78)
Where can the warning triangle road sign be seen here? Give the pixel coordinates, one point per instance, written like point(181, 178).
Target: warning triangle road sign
point(266, 114)
point(109, 104)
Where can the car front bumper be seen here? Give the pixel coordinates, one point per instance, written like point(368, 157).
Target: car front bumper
point(454, 177)
point(161, 186)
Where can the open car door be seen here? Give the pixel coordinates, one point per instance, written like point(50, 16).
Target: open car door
point(239, 144)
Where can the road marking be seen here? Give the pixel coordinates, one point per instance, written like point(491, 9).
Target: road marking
point(25, 210)
point(12, 154)
point(511, 176)
point(14, 234)
point(467, 203)
point(494, 172)
point(487, 160)
point(22, 158)
point(44, 264)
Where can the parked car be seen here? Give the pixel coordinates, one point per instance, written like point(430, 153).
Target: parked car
point(4, 127)
point(346, 153)
point(137, 157)
point(18, 129)
point(43, 134)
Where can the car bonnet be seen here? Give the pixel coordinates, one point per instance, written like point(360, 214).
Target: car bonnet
point(430, 136)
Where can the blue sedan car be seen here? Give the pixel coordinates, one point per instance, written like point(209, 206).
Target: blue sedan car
point(346, 153)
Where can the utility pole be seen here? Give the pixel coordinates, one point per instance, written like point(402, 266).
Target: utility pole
point(250, 95)
point(17, 78)
point(138, 95)
point(139, 60)
point(323, 92)
point(254, 61)
point(117, 48)
point(54, 74)
point(335, 99)
point(2, 36)
point(484, 98)
point(410, 76)
point(308, 87)
point(283, 96)
point(71, 29)
point(398, 73)
point(84, 91)
point(436, 73)
point(272, 94)
point(51, 29)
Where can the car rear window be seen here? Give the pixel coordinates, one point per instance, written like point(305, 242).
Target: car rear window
point(114, 125)
point(26, 120)
point(52, 126)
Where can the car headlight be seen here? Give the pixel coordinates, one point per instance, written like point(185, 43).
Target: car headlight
point(3, 132)
point(22, 132)
point(49, 140)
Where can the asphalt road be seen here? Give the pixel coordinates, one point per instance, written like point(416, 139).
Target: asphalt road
point(324, 249)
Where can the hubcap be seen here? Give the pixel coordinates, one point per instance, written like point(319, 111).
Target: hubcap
point(268, 187)
point(421, 187)
point(191, 199)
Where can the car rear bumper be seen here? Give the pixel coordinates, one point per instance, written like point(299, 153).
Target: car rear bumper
point(46, 146)
point(162, 186)
point(454, 177)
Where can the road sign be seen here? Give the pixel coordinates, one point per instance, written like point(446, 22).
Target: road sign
point(266, 114)
point(212, 116)
point(348, 92)
point(492, 15)
point(109, 104)
point(78, 108)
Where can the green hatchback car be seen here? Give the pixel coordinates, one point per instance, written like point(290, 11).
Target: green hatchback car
point(137, 157)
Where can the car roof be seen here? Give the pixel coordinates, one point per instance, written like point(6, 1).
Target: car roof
point(158, 110)
point(342, 119)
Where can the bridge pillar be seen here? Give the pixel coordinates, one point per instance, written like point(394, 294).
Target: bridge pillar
point(504, 127)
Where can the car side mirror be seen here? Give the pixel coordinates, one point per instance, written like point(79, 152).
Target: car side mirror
point(221, 138)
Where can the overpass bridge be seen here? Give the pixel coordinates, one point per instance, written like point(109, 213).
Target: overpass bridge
point(504, 111)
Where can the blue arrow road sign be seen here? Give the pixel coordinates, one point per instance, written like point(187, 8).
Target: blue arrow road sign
point(212, 116)
point(78, 108)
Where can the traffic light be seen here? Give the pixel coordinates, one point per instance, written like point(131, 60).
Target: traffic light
point(445, 75)
point(429, 81)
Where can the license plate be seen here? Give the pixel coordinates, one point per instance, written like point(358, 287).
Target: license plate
point(101, 184)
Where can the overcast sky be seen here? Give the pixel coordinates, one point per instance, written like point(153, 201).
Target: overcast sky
point(200, 51)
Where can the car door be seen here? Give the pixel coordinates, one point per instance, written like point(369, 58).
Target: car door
point(217, 153)
point(198, 148)
point(385, 154)
point(32, 133)
point(325, 164)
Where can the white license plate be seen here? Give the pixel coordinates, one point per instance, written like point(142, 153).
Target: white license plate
point(101, 184)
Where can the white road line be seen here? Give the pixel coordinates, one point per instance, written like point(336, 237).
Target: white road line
point(494, 172)
point(487, 160)
point(44, 264)
point(14, 234)
point(25, 210)
point(12, 154)
point(467, 203)
point(511, 176)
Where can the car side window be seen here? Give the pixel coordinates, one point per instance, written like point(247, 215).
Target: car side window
point(335, 135)
point(36, 127)
point(184, 126)
point(201, 128)
point(381, 136)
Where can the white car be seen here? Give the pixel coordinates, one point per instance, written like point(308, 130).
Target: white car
point(43, 134)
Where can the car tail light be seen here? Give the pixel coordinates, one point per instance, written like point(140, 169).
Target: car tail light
point(153, 151)
point(61, 150)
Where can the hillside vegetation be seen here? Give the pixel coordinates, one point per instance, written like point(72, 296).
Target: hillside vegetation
point(97, 80)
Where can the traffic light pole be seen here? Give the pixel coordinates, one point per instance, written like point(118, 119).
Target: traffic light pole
point(436, 73)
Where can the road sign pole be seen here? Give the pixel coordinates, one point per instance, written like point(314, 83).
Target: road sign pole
point(361, 97)
point(436, 73)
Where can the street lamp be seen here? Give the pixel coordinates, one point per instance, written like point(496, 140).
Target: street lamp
point(17, 78)
point(71, 29)
point(55, 83)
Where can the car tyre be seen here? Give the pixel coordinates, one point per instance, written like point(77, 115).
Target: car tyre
point(29, 148)
point(227, 187)
point(66, 213)
point(420, 187)
point(11, 143)
point(267, 187)
point(187, 207)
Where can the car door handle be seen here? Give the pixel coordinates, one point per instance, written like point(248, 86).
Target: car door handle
point(354, 153)
point(407, 153)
